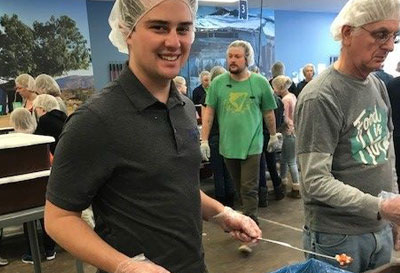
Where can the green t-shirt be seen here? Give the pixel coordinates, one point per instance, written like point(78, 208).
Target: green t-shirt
point(239, 107)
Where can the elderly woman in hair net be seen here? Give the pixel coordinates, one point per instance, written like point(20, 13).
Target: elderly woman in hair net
point(132, 151)
point(45, 84)
point(23, 121)
point(25, 86)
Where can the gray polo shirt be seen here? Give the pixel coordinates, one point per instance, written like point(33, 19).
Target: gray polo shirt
point(136, 160)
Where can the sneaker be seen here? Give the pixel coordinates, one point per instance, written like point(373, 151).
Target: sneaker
point(295, 194)
point(27, 259)
point(245, 249)
point(3, 261)
point(50, 255)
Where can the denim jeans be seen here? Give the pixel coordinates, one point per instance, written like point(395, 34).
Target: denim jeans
point(222, 179)
point(288, 158)
point(369, 250)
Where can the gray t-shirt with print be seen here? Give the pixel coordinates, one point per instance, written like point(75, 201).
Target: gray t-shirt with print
point(343, 126)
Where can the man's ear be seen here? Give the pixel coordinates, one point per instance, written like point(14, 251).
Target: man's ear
point(347, 32)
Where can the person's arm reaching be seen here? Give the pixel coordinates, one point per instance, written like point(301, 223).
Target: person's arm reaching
point(240, 226)
point(73, 234)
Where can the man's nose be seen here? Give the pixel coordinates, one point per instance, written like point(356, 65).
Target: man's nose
point(172, 40)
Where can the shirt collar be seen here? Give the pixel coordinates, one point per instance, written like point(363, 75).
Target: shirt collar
point(140, 97)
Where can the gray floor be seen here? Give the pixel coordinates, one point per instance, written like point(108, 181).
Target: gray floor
point(221, 251)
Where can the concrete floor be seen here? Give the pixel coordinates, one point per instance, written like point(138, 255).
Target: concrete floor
point(221, 251)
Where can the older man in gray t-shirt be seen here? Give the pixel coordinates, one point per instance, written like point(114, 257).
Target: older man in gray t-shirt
point(344, 145)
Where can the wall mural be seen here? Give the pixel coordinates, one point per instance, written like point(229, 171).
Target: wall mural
point(217, 27)
point(50, 37)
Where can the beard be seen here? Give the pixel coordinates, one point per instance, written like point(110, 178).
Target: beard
point(236, 69)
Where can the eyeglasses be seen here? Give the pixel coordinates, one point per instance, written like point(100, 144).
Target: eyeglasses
point(383, 36)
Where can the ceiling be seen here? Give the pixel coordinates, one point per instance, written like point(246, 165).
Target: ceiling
point(297, 5)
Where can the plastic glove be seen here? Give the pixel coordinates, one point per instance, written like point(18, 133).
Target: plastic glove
point(396, 237)
point(273, 142)
point(238, 225)
point(139, 264)
point(389, 207)
point(205, 150)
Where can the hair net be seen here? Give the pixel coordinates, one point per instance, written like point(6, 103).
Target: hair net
point(357, 13)
point(203, 73)
point(26, 81)
point(45, 84)
point(125, 14)
point(47, 102)
point(307, 66)
point(277, 69)
point(179, 80)
point(281, 82)
point(248, 50)
point(23, 121)
point(216, 71)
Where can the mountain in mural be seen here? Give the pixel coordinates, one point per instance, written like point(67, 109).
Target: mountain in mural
point(76, 82)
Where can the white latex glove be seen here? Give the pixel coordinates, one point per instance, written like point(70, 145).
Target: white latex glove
point(273, 142)
point(205, 150)
point(139, 264)
point(240, 226)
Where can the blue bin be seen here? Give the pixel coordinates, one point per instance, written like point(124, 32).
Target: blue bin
point(310, 266)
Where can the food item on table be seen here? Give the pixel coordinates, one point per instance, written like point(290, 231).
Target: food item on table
point(343, 259)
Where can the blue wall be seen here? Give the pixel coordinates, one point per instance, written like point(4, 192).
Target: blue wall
point(103, 52)
point(303, 37)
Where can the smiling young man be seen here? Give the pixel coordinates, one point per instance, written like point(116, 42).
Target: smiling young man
point(132, 152)
point(344, 142)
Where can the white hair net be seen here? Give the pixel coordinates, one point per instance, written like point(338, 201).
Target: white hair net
point(23, 121)
point(45, 101)
point(26, 81)
point(357, 13)
point(125, 14)
point(45, 84)
point(248, 50)
point(281, 82)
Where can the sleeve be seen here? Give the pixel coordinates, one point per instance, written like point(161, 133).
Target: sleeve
point(82, 162)
point(319, 184)
point(319, 120)
point(211, 98)
point(288, 108)
point(267, 97)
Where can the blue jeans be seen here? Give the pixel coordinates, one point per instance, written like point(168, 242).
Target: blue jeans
point(288, 158)
point(369, 250)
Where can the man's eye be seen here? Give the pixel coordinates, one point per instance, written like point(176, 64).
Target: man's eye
point(381, 35)
point(159, 28)
point(183, 30)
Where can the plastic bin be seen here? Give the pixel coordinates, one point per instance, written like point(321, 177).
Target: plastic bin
point(311, 266)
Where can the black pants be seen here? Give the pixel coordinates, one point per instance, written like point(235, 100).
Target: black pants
point(48, 243)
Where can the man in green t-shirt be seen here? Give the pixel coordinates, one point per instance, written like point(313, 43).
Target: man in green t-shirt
point(241, 100)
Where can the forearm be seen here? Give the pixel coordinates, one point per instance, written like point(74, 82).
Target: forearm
point(74, 235)
point(207, 121)
point(209, 206)
point(269, 119)
point(319, 185)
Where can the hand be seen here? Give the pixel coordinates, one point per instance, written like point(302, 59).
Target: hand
point(205, 150)
point(396, 237)
point(132, 266)
point(273, 142)
point(241, 227)
point(390, 209)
